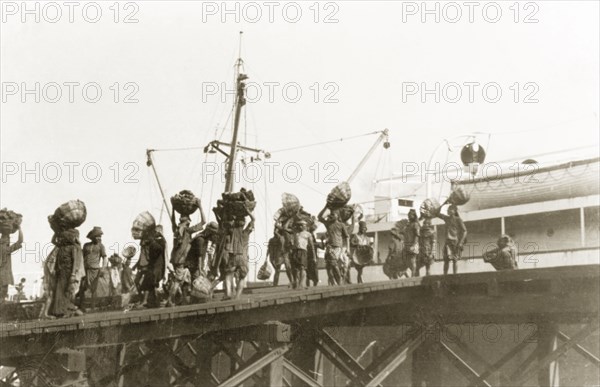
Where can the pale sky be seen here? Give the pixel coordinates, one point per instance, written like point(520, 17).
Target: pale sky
point(362, 61)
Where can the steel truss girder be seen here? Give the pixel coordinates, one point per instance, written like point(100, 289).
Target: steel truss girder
point(524, 372)
point(463, 366)
point(300, 374)
point(263, 339)
point(341, 359)
point(503, 360)
point(466, 369)
point(123, 368)
point(524, 375)
point(235, 358)
point(391, 360)
point(170, 348)
point(379, 369)
point(253, 366)
point(64, 367)
point(581, 350)
point(374, 374)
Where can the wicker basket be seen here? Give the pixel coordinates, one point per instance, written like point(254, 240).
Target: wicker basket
point(69, 215)
point(9, 221)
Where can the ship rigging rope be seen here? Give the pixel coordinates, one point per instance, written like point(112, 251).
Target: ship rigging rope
point(378, 163)
point(275, 151)
point(439, 195)
point(324, 142)
point(310, 187)
point(202, 176)
point(210, 200)
point(151, 188)
point(267, 217)
point(136, 197)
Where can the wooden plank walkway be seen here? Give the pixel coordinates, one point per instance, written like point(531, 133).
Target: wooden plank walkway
point(566, 293)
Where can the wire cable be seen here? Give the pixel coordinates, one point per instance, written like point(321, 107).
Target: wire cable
point(323, 142)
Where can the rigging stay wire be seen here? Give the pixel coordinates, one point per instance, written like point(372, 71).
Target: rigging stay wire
point(256, 75)
point(323, 142)
point(210, 200)
point(331, 151)
point(265, 194)
point(275, 151)
point(195, 175)
point(231, 110)
point(390, 158)
point(442, 182)
point(224, 128)
point(151, 188)
point(304, 184)
point(205, 161)
point(333, 156)
point(267, 208)
point(542, 128)
point(177, 149)
point(232, 59)
point(389, 165)
point(378, 163)
point(224, 108)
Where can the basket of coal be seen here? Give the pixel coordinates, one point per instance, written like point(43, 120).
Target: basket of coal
point(69, 215)
point(141, 223)
point(290, 204)
point(241, 196)
point(234, 205)
point(238, 208)
point(458, 197)
point(248, 194)
point(185, 203)
point(429, 208)
point(9, 221)
point(339, 196)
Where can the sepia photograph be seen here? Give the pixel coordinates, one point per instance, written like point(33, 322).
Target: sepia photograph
point(306, 193)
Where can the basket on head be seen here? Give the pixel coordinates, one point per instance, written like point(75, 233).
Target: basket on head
point(429, 208)
point(235, 204)
point(9, 221)
point(68, 215)
point(142, 222)
point(290, 203)
point(339, 196)
point(185, 202)
point(459, 196)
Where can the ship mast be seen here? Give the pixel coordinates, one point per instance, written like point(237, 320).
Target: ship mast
point(240, 101)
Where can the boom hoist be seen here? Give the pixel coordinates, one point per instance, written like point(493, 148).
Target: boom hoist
point(383, 138)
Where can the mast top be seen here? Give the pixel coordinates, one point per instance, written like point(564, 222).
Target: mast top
point(239, 61)
point(240, 101)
